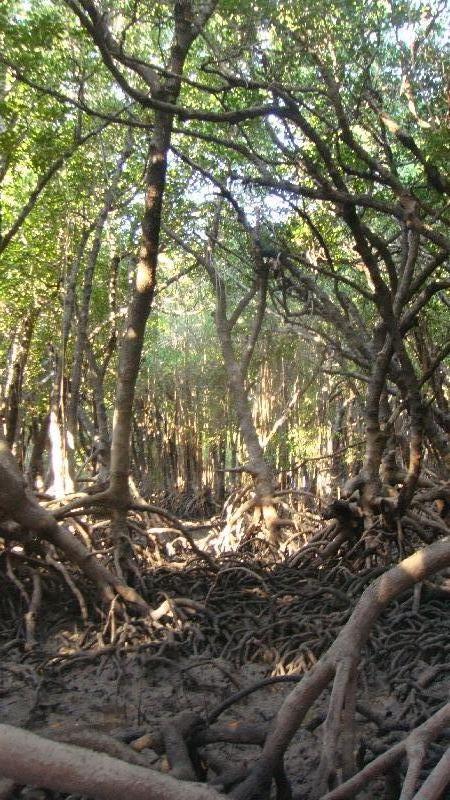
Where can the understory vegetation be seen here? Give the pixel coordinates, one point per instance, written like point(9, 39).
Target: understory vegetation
point(224, 399)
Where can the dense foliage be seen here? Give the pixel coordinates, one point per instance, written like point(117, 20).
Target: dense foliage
point(287, 113)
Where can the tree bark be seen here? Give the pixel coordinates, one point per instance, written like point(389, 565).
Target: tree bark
point(35, 469)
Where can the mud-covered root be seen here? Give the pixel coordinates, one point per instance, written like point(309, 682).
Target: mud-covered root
point(337, 759)
point(345, 527)
point(23, 508)
point(109, 763)
point(33, 610)
point(176, 734)
point(338, 663)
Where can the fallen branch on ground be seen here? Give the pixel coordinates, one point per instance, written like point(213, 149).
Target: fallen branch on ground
point(33, 760)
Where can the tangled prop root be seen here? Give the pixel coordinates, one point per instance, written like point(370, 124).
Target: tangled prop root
point(27, 758)
point(339, 664)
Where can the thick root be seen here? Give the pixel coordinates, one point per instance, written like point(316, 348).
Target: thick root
point(30, 759)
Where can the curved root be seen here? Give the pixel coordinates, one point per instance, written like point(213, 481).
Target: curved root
point(338, 663)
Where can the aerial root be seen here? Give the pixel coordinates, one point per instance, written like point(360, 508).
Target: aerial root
point(86, 503)
point(247, 514)
point(373, 534)
point(28, 514)
point(56, 564)
point(23, 508)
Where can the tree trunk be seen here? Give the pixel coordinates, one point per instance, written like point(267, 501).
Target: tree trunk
point(35, 469)
point(139, 310)
point(14, 379)
point(83, 317)
point(60, 480)
point(375, 436)
point(102, 438)
point(257, 465)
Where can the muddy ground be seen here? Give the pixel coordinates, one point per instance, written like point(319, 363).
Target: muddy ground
point(251, 621)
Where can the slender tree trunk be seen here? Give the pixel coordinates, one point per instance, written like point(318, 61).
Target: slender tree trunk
point(83, 317)
point(187, 25)
point(375, 436)
point(257, 465)
point(59, 479)
point(103, 439)
point(219, 457)
point(15, 373)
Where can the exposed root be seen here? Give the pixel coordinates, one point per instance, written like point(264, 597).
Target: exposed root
point(359, 535)
point(338, 663)
point(414, 747)
point(31, 759)
point(24, 509)
point(243, 611)
point(71, 584)
point(247, 515)
point(438, 780)
point(33, 608)
point(99, 742)
point(104, 499)
point(175, 733)
point(185, 532)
